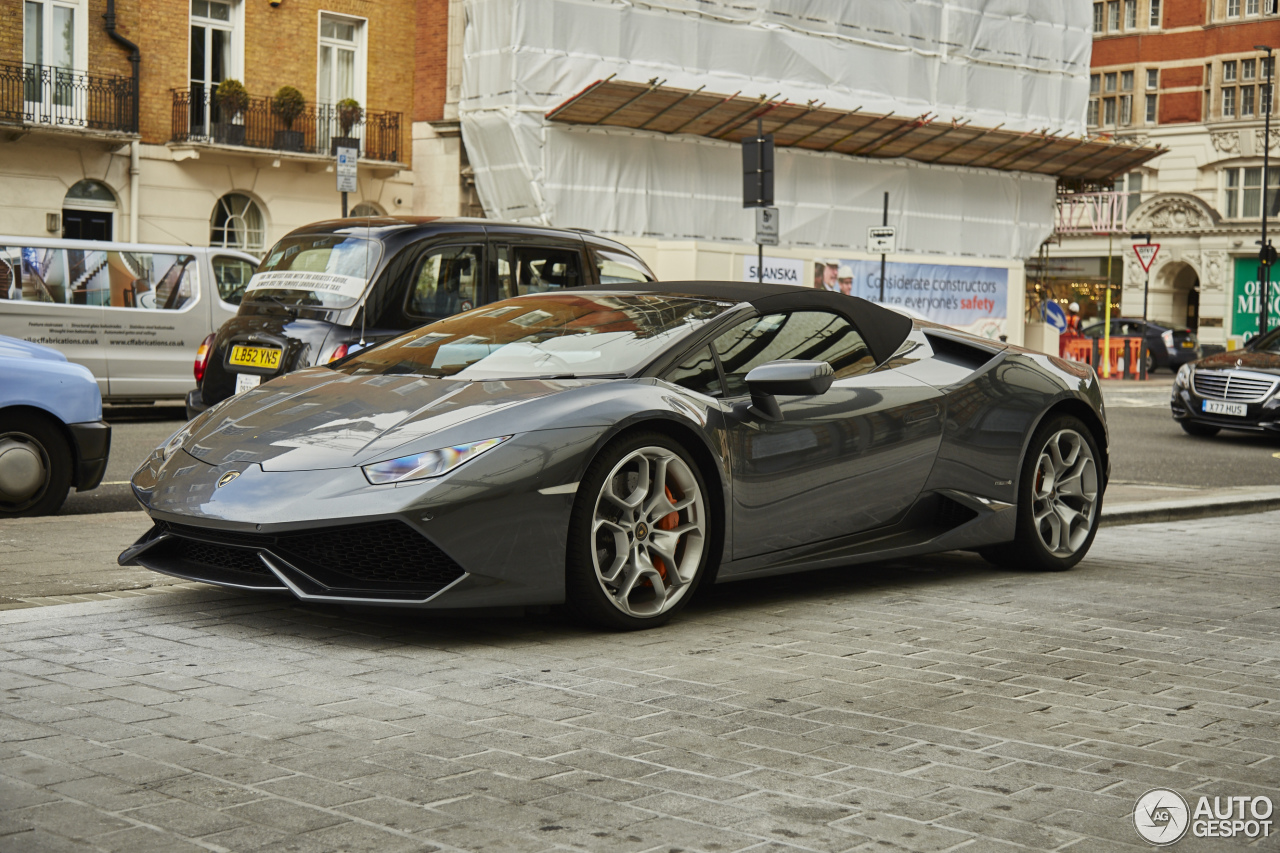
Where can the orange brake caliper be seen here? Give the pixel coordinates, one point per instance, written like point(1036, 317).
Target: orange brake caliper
point(668, 522)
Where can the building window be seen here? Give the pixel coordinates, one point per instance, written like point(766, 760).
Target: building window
point(1126, 81)
point(1109, 111)
point(1111, 82)
point(1126, 109)
point(1233, 8)
point(1244, 191)
point(1151, 109)
point(53, 48)
point(1092, 119)
point(1246, 101)
point(1113, 16)
point(1134, 190)
point(1153, 78)
point(1264, 100)
point(1095, 84)
point(1099, 20)
point(341, 59)
point(1251, 7)
point(237, 223)
point(211, 60)
point(1130, 14)
point(1229, 72)
point(1229, 102)
point(1155, 13)
point(1248, 69)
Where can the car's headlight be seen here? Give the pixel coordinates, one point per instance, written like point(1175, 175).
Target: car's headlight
point(1183, 379)
point(431, 463)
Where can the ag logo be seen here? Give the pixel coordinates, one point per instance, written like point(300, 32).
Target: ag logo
point(1161, 816)
point(227, 478)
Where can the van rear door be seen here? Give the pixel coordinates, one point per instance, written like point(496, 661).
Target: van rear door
point(55, 297)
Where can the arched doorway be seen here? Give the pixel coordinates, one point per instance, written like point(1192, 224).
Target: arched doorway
point(88, 212)
point(1175, 297)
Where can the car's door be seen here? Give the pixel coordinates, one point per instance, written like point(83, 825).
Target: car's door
point(846, 461)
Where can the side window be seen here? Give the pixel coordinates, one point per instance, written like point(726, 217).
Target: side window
point(445, 282)
point(231, 276)
point(807, 335)
point(537, 269)
point(697, 373)
point(617, 268)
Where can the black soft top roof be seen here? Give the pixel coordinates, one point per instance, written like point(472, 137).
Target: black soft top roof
point(883, 329)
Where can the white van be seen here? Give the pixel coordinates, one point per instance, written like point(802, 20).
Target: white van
point(133, 314)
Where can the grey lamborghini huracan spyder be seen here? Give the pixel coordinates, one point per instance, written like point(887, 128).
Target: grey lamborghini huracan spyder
point(615, 447)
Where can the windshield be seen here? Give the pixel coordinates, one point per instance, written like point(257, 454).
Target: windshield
point(543, 335)
point(1270, 342)
point(315, 271)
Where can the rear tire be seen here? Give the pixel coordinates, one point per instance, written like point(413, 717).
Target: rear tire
point(1059, 499)
point(640, 535)
point(35, 466)
point(1198, 430)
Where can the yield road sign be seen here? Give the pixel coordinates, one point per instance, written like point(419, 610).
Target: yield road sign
point(1146, 254)
point(767, 226)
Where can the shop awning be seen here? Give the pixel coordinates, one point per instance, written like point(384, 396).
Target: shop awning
point(654, 107)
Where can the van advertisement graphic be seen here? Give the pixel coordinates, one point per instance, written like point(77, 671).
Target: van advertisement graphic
point(974, 299)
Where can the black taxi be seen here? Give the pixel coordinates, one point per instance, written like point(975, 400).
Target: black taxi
point(327, 288)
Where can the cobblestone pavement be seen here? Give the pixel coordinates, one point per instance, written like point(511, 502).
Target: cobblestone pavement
point(924, 705)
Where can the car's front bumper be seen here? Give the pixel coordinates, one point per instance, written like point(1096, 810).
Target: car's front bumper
point(489, 534)
point(1186, 405)
point(92, 442)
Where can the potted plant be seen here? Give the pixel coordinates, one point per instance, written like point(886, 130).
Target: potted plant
point(287, 105)
point(350, 113)
point(233, 101)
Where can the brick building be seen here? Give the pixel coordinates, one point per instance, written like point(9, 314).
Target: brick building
point(88, 149)
point(1184, 75)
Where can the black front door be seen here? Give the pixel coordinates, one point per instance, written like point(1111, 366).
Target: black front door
point(86, 224)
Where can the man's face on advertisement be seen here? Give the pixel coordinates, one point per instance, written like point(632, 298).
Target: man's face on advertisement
point(846, 286)
point(829, 276)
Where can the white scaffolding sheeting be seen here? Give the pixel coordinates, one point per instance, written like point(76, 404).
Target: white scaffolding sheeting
point(1024, 65)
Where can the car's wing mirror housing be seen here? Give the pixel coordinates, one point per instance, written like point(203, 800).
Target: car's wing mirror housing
point(790, 378)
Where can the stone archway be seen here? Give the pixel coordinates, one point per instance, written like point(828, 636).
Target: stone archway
point(1175, 296)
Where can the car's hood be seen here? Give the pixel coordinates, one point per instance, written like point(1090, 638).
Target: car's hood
point(14, 348)
point(1264, 362)
point(319, 418)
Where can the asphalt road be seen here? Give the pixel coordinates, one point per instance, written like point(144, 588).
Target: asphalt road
point(1147, 447)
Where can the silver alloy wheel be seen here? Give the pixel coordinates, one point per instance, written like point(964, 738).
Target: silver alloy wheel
point(648, 531)
point(1065, 493)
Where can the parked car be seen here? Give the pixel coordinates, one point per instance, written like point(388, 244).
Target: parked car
point(52, 435)
point(131, 313)
point(617, 445)
point(1238, 390)
point(1166, 347)
point(311, 301)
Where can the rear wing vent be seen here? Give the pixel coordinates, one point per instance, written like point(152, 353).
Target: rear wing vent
point(960, 353)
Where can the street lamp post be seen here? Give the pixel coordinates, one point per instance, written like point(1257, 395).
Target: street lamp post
point(1265, 256)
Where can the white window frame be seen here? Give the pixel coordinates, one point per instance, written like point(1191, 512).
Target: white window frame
point(360, 84)
point(235, 68)
point(1153, 15)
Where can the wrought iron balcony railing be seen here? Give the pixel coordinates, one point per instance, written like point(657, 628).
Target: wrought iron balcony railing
point(64, 98)
point(319, 129)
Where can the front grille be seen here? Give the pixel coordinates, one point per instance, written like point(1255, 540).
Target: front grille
point(1232, 386)
point(378, 555)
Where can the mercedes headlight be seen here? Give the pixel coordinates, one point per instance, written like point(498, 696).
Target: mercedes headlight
point(1183, 379)
point(431, 463)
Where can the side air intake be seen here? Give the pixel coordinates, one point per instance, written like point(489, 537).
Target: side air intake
point(959, 353)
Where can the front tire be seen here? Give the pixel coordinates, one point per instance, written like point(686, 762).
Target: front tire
point(640, 534)
point(1198, 430)
point(35, 466)
point(1059, 499)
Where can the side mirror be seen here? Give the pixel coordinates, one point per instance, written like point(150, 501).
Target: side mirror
point(790, 378)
